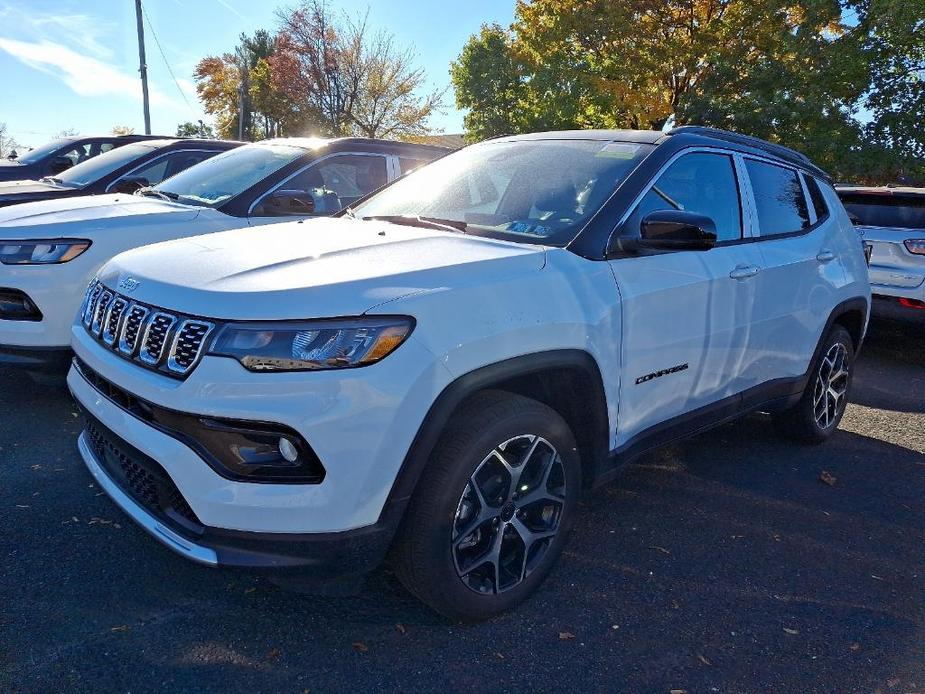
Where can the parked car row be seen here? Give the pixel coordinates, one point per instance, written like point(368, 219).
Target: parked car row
point(51, 249)
point(436, 372)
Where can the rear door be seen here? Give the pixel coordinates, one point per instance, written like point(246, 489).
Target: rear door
point(686, 314)
point(802, 270)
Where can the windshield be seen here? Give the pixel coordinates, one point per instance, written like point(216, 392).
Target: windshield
point(897, 212)
point(39, 153)
point(220, 178)
point(532, 191)
point(94, 169)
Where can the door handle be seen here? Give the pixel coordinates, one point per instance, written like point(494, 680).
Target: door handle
point(825, 256)
point(743, 272)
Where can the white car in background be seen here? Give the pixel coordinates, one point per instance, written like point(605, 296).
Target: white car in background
point(891, 220)
point(50, 250)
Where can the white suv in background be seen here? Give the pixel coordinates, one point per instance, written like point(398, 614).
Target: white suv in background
point(891, 220)
point(439, 372)
point(50, 250)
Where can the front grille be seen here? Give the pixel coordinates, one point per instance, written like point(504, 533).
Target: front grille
point(165, 341)
point(139, 476)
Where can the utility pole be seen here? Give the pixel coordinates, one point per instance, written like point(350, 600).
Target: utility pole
point(143, 67)
point(241, 112)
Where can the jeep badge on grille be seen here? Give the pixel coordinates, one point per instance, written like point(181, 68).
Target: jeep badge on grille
point(128, 284)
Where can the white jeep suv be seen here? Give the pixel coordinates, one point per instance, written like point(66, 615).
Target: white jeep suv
point(438, 373)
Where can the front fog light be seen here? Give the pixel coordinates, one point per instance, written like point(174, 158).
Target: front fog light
point(288, 450)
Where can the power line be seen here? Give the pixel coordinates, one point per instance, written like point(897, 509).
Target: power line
point(164, 58)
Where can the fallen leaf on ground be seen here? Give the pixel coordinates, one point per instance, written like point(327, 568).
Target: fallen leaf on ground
point(792, 632)
point(273, 654)
point(892, 682)
point(876, 578)
point(703, 659)
point(677, 691)
point(855, 646)
point(123, 627)
point(566, 636)
point(499, 656)
point(250, 590)
point(400, 628)
point(360, 647)
point(828, 478)
point(660, 549)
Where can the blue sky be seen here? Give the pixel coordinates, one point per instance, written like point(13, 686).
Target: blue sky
point(73, 63)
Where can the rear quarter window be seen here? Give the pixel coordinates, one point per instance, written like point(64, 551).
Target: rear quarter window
point(817, 198)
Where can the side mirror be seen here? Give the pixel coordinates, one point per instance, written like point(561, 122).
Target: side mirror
point(855, 220)
point(675, 230)
point(130, 184)
point(59, 164)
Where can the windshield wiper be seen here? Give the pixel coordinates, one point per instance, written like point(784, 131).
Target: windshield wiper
point(51, 179)
point(454, 225)
point(150, 192)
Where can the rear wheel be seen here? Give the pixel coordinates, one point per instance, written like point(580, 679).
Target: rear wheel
point(817, 415)
point(492, 510)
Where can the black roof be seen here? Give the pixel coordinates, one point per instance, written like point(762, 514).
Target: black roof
point(696, 133)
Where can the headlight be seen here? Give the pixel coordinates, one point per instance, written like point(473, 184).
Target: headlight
point(41, 252)
point(322, 344)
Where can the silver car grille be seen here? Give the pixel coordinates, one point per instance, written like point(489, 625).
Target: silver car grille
point(165, 341)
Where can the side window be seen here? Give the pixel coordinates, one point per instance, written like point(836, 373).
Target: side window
point(335, 183)
point(815, 194)
point(77, 154)
point(106, 146)
point(781, 205)
point(157, 170)
point(700, 182)
point(407, 164)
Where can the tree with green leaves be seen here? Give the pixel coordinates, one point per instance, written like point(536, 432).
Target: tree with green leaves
point(799, 74)
point(198, 129)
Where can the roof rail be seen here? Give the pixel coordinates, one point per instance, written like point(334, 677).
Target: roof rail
point(785, 153)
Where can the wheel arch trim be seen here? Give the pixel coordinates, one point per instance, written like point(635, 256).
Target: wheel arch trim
point(486, 378)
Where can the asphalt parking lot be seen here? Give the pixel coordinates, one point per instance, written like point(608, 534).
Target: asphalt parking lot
point(722, 564)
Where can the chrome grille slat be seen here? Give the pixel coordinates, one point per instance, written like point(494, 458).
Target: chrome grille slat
point(113, 320)
point(186, 345)
point(93, 293)
point(131, 328)
point(99, 311)
point(164, 341)
point(154, 338)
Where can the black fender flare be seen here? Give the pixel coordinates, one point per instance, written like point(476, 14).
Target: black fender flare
point(480, 379)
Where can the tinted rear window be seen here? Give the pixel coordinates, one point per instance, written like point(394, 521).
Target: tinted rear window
point(782, 207)
point(886, 210)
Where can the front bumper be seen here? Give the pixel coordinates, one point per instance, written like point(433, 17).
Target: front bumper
point(46, 360)
point(144, 491)
point(57, 291)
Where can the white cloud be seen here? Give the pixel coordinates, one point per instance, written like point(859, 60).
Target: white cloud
point(85, 75)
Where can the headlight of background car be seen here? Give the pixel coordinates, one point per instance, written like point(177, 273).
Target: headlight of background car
point(322, 344)
point(41, 252)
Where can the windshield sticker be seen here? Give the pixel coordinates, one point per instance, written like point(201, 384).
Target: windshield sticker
point(618, 150)
point(528, 228)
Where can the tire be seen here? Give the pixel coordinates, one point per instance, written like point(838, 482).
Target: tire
point(467, 528)
point(817, 414)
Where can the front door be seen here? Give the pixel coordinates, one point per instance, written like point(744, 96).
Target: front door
point(686, 314)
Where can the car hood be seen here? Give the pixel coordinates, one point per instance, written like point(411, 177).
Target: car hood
point(13, 188)
point(9, 162)
point(319, 268)
point(87, 215)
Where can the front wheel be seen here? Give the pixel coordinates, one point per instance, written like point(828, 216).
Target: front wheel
point(817, 415)
point(491, 512)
